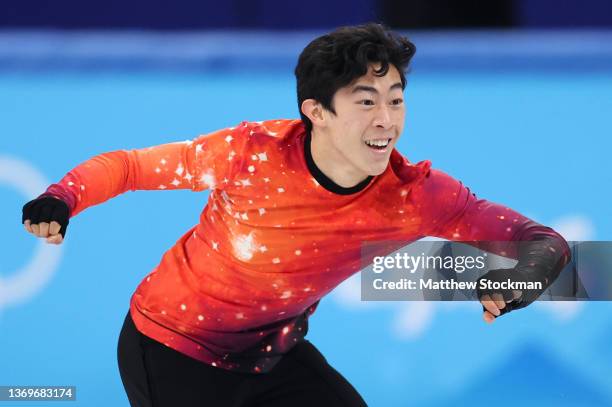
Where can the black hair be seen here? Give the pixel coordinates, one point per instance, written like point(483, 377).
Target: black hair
point(335, 60)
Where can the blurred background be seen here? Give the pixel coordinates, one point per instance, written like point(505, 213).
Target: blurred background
point(514, 98)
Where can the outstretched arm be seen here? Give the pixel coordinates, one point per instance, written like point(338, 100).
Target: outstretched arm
point(195, 165)
point(454, 213)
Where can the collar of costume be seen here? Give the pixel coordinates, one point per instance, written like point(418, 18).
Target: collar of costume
point(324, 180)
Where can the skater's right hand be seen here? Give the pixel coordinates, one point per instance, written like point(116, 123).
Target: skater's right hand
point(46, 217)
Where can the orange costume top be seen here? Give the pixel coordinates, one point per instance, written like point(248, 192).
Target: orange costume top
point(276, 235)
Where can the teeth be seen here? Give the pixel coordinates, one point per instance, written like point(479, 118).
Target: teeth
point(378, 143)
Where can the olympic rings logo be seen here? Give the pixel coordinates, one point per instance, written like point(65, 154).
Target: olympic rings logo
point(17, 287)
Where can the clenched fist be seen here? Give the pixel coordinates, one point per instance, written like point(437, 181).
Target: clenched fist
point(497, 302)
point(46, 217)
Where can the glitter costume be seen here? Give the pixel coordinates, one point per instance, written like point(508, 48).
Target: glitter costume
point(236, 290)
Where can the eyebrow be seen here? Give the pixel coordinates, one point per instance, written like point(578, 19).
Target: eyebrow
point(371, 89)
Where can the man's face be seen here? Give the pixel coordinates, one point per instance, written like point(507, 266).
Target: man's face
point(368, 122)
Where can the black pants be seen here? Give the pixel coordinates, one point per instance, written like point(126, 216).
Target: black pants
point(155, 375)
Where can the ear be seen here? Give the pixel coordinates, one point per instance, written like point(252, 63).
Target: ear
point(314, 111)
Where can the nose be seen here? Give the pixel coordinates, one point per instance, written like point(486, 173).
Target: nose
point(382, 116)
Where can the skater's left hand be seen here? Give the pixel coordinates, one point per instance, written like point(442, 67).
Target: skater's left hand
point(494, 305)
point(497, 302)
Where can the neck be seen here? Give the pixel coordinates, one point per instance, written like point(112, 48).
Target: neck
point(332, 163)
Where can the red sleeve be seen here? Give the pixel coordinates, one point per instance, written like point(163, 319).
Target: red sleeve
point(451, 211)
point(197, 164)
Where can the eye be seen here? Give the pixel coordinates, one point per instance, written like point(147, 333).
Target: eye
point(397, 102)
point(366, 102)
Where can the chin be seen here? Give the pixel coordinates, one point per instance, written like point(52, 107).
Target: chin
point(377, 170)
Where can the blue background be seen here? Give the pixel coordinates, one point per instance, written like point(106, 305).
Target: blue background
point(521, 124)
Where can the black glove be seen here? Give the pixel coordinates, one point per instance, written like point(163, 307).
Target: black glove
point(47, 209)
point(540, 260)
point(515, 275)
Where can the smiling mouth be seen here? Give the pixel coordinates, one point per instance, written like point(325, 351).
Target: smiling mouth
point(380, 144)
